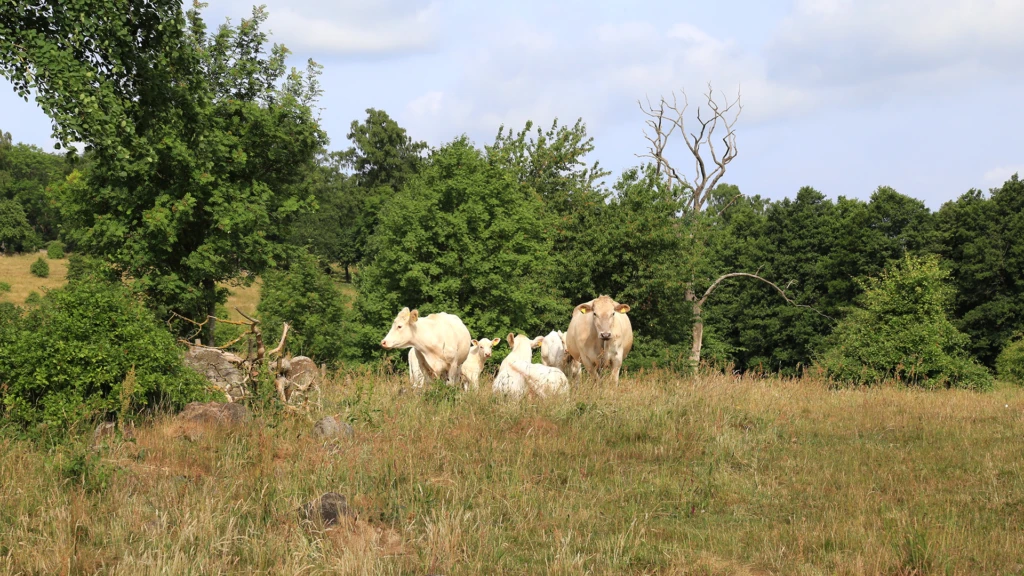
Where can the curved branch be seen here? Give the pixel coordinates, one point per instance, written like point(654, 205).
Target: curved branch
point(768, 282)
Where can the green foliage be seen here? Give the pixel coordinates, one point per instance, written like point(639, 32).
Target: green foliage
point(5, 287)
point(30, 177)
point(464, 237)
point(82, 267)
point(55, 250)
point(382, 159)
point(33, 298)
point(814, 247)
point(306, 298)
point(202, 141)
point(553, 164)
point(72, 354)
point(1010, 362)
point(901, 331)
point(639, 257)
point(983, 241)
point(40, 268)
point(15, 233)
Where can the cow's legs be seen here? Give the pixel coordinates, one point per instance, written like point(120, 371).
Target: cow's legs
point(454, 374)
point(614, 367)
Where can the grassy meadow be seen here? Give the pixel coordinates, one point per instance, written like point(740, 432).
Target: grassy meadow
point(660, 475)
point(14, 269)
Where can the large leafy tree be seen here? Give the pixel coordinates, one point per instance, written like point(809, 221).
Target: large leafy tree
point(29, 176)
point(465, 237)
point(202, 141)
point(901, 330)
point(982, 238)
point(334, 230)
point(553, 163)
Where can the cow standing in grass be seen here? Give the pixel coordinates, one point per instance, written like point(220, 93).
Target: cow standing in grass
point(599, 336)
point(440, 344)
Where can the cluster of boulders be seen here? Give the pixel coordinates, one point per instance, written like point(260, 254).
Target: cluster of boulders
point(294, 377)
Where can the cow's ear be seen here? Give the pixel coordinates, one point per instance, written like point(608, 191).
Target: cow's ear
point(413, 316)
point(474, 343)
point(583, 308)
point(537, 341)
point(496, 341)
point(622, 308)
point(511, 338)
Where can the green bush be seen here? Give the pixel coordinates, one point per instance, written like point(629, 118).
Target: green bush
point(5, 287)
point(72, 354)
point(1010, 363)
point(40, 268)
point(901, 331)
point(306, 298)
point(55, 250)
point(85, 267)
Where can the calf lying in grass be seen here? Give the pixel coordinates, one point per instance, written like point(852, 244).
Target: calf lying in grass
point(518, 374)
point(543, 380)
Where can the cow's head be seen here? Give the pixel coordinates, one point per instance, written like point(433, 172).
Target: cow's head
point(603, 309)
point(401, 330)
point(484, 346)
point(521, 340)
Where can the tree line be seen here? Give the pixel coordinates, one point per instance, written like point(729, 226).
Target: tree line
point(205, 165)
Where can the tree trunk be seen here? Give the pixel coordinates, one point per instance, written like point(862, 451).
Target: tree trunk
point(698, 328)
point(210, 289)
point(348, 275)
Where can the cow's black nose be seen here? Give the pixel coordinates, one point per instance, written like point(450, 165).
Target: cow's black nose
point(606, 335)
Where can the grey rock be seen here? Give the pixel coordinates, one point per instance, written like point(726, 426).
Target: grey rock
point(327, 509)
point(302, 371)
point(331, 427)
point(216, 366)
point(214, 413)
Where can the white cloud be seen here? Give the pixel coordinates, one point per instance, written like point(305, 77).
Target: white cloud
point(850, 42)
point(349, 27)
point(999, 175)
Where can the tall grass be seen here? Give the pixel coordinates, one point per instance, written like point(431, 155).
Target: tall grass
point(657, 476)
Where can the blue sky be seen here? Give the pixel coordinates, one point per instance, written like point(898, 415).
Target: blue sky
point(842, 95)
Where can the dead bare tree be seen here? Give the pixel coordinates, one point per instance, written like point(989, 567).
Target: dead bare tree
point(667, 118)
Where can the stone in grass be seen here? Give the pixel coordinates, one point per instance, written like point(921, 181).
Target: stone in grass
point(331, 427)
point(327, 509)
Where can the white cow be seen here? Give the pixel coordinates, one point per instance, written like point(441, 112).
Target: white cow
point(510, 381)
point(479, 352)
point(552, 350)
point(543, 380)
point(439, 342)
point(599, 336)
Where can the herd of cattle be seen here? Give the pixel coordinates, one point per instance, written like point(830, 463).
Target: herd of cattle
point(440, 346)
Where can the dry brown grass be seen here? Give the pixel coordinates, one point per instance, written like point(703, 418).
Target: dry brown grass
point(658, 476)
point(14, 271)
point(245, 298)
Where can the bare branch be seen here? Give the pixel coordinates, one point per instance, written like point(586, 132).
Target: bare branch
point(768, 282)
point(246, 316)
point(280, 345)
point(667, 117)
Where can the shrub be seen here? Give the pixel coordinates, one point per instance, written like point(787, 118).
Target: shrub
point(1010, 363)
point(306, 298)
point(40, 268)
point(15, 233)
point(901, 331)
point(73, 353)
point(5, 287)
point(33, 298)
point(85, 267)
point(55, 250)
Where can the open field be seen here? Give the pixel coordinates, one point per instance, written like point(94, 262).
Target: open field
point(14, 271)
point(658, 476)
